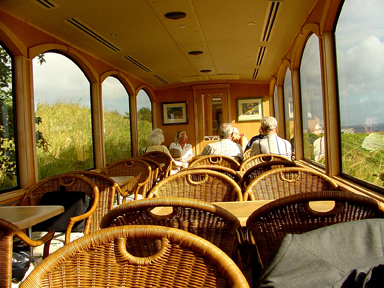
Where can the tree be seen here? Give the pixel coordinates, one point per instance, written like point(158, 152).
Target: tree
point(7, 123)
point(144, 114)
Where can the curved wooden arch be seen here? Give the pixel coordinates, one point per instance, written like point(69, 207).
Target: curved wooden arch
point(306, 32)
point(11, 41)
point(285, 64)
point(148, 90)
point(71, 53)
point(126, 83)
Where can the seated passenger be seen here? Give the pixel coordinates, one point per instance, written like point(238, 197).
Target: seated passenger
point(254, 138)
point(239, 138)
point(225, 147)
point(185, 148)
point(319, 143)
point(271, 143)
point(155, 139)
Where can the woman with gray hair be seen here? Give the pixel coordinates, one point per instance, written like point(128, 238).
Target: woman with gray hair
point(155, 140)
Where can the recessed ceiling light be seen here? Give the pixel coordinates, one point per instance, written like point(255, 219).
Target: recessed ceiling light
point(251, 23)
point(205, 71)
point(182, 26)
point(195, 52)
point(175, 15)
point(114, 34)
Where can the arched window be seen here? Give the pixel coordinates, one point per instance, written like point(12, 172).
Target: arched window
point(117, 122)
point(63, 116)
point(360, 64)
point(312, 102)
point(288, 105)
point(8, 147)
point(144, 118)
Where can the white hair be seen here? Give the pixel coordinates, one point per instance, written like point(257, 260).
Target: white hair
point(156, 137)
point(268, 123)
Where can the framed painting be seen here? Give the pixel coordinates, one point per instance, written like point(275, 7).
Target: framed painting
point(174, 113)
point(249, 109)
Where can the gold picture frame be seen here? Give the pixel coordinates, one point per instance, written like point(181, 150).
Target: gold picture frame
point(174, 113)
point(250, 109)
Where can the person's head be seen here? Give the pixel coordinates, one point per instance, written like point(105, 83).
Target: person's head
point(319, 128)
point(181, 137)
point(268, 124)
point(225, 130)
point(156, 137)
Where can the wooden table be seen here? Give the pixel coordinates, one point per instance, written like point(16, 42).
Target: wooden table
point(24, 217)
point(243, 209)
point(122, 180)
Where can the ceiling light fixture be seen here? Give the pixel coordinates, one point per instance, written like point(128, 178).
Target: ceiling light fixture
point(205, 71)
point(175, 15)
point(195, 53)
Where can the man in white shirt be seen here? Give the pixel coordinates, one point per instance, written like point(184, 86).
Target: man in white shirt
point(271, 143)
point(225, 147)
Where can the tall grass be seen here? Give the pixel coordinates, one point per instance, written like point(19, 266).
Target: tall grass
point(359, 162)
point(117, 136)
point(67, 128)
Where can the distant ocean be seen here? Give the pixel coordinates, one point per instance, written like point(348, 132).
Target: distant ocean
point(361, 129)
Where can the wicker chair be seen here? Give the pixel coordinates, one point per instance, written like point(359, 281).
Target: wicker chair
point(139, 169)
point(205, 185)
point(225, 161)
point(159, 257)
point(225, 170)
point(255, 171)
point(155, 172)
point(269, 224)
point(204, 219)
point(163, 159)
point(7, 233)
point(108, 191)
point(257, 159)
point(282, 182)
point(66, 183)
point(247, 154)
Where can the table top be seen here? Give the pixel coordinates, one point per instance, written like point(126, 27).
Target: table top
point(122, 180)
point(243, 209)
point(27, 216)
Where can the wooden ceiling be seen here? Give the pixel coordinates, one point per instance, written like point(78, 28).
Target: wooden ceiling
point(242, 40)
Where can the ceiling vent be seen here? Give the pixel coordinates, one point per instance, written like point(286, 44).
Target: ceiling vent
point(137, 63)
point(161, 79)
point(46, 4)
point(260, 56)
point(255, 74)
point(269, 21)
point(83, 28)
